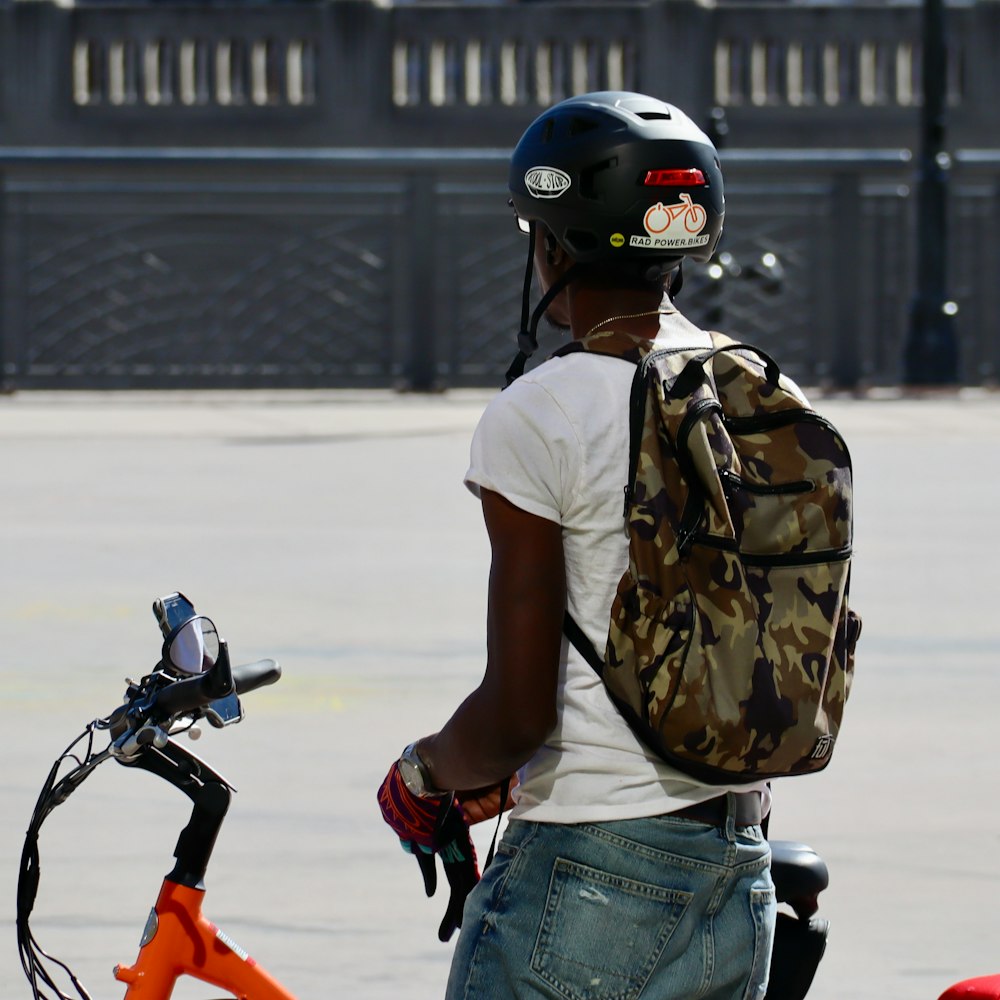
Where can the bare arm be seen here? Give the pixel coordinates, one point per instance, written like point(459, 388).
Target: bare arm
point(507, 718)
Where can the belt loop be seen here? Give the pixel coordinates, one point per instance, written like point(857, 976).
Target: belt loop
point(731, 817)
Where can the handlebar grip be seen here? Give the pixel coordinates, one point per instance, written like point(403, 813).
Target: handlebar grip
point(250, 676)
point(187, 695)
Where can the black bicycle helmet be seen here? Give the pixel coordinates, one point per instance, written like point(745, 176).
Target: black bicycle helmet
point(620, 179)
point(616, 175)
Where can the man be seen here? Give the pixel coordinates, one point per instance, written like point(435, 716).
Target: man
point(618, 875)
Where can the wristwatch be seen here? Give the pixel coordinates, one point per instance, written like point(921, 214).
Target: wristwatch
point(416, 776)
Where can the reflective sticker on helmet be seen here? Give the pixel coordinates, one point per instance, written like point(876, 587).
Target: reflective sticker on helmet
point(617, 240)
point(673, 226)
point(546, 182)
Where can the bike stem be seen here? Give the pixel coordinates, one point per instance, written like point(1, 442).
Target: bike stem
point(211, 795)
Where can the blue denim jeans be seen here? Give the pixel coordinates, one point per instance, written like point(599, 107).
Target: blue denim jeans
point(660, 908)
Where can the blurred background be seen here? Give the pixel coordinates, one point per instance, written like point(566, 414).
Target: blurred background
point(313, 194)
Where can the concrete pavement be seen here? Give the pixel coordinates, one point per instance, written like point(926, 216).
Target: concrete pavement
point(331, 531)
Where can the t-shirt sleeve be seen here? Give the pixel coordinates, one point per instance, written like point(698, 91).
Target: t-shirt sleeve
point(525, 449)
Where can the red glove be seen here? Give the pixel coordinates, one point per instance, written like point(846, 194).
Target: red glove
point(413, 819)
point(426, 827)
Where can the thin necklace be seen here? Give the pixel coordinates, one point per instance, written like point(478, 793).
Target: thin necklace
point(615, 319)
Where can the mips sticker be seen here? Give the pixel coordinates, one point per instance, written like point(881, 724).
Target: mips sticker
point(546, 182)
point(617, 240)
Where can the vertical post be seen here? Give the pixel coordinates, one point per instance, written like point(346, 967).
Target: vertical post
point(13, 322)
point(673, 30)
point(421, 373)
point(845, 357)
point(9, 293)
point(931, 353)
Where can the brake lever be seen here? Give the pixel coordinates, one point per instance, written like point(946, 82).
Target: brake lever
point(134, 741)
point(151, 707)
point(129, 725)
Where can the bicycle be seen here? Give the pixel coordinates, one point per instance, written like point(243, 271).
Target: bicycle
point(195, 680)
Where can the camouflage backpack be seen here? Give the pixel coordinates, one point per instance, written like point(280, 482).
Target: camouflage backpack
point(731, 645)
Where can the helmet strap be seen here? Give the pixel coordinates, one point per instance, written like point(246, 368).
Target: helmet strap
point(676, 281)
point(526, 344)
point(527, 341)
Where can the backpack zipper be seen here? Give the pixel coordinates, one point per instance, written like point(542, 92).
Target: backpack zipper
point(799, 486)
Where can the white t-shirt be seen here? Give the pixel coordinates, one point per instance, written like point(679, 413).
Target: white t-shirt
point(555, 444)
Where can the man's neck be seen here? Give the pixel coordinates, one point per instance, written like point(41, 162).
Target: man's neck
point(632, 311)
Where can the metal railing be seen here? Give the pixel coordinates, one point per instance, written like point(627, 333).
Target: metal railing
point(314, 193)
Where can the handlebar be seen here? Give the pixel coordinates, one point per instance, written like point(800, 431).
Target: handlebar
point(149, 714)
point(250, 676)
point(221, 680)
point(152, 713)
point(195, 692)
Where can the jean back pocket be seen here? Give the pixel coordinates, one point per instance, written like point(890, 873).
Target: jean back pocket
point(602, 934)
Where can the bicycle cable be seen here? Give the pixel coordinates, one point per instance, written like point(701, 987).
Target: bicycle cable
point(55, 790)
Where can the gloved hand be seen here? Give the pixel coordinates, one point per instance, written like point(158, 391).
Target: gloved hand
point(426, 827)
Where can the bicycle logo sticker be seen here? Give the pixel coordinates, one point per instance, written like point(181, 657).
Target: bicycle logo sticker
point(669, 226)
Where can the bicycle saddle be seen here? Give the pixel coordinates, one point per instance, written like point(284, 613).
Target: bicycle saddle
point(799, 874)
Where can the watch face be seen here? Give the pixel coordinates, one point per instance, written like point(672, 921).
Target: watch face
point(410, 773)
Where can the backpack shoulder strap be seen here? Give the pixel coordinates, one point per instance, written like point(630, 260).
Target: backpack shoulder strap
point(610, 344)
point(642, 353)
point(582, 644)
point(693, 372)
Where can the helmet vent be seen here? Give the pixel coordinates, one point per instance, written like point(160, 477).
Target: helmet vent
point(580, 241)
point(588, 179)
point(578, 126)
point(655, 116)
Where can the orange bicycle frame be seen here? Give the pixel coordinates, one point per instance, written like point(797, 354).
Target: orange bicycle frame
point(179, 940)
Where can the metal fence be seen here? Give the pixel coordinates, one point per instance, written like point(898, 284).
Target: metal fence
point(313, 194)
